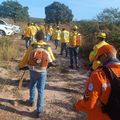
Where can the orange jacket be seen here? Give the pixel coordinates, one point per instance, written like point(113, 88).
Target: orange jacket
point(97, 89)
point(75, 39)
point(92, 55)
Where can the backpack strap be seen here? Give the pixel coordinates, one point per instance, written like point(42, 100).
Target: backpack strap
point(109, 73)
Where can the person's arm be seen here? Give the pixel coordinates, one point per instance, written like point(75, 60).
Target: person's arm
point(91, 95)
point(51, 53)
point(25, 58)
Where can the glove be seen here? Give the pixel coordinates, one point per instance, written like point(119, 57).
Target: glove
point(17, 69)
point(52, 64)
point(24, 68)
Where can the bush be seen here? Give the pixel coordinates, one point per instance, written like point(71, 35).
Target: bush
point(7, 49)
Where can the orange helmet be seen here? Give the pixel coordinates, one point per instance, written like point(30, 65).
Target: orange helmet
point(105, 49)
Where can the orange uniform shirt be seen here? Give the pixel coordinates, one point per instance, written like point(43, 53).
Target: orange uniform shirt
point(97, 89)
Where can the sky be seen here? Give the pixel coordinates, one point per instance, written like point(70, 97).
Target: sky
point(81, 9)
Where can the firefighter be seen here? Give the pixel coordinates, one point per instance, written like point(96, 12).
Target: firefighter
point(28, 35)
point(57, 36)
point(38, 56)
point(65, 37)
point(101, 41)
point(74, 47)
point(98, 86)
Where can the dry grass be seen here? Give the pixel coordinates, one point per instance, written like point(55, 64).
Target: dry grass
point(8, 49)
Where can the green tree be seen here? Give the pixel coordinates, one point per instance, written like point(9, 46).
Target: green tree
point(109, 15)
point(109, 21)
point(58, 13)
point(13, 10)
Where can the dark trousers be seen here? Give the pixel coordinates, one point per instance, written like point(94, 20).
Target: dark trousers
point(74, 52)
point(56, 43)
point(27, 41)
point(64, 47)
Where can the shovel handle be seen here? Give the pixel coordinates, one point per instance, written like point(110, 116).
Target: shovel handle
point(21, 80)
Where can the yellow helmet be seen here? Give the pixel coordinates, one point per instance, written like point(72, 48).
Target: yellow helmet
point(32, 23)
point(101, 35)
point(75, 27)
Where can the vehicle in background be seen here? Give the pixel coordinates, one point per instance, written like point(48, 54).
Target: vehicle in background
point(5, 30)
point(15, 28)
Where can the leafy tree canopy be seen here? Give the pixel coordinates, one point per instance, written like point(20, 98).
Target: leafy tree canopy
point(57, 12)
point(13, 10)
point(109, 15)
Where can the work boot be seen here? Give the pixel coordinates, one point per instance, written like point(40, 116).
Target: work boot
point(60, 54)
point(29, 103)
point(77, 66)
point(38, 114)
point(71, 66)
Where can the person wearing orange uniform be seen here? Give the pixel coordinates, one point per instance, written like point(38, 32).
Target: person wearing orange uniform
point(101, 42)
point(98, 86)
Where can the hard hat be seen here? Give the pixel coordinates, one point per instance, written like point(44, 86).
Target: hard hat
point(101, 35)
point(32, 23)
point(104, 50)
point(75, 27)
point(79, 34)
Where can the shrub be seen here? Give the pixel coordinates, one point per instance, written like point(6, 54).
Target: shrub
point(7, 49)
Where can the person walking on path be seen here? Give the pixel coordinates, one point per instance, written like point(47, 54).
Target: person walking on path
point(65, 37)
point(57, 36)
point(27, 35)
point(74, 47)
point(38, 56)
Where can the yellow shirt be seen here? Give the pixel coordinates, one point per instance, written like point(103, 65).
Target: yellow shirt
point(50, 31)
point(37, 27)
point(92, 55)
point(25, 58)
point(65, 36)
point(28, 32)
point(57, 35)
point(99, 45)
point(34, 30)
point(74, 39)
point(41, 27)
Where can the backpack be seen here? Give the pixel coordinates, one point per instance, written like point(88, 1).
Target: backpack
point(38, 56)
point(112, 108)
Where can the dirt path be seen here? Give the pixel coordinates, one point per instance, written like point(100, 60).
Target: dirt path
point(63, 87)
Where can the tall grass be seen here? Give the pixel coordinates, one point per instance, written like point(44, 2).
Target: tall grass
point(8, 50)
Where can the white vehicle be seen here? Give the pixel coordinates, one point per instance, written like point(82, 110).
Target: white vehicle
point(6, 30)
point(15, 28)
